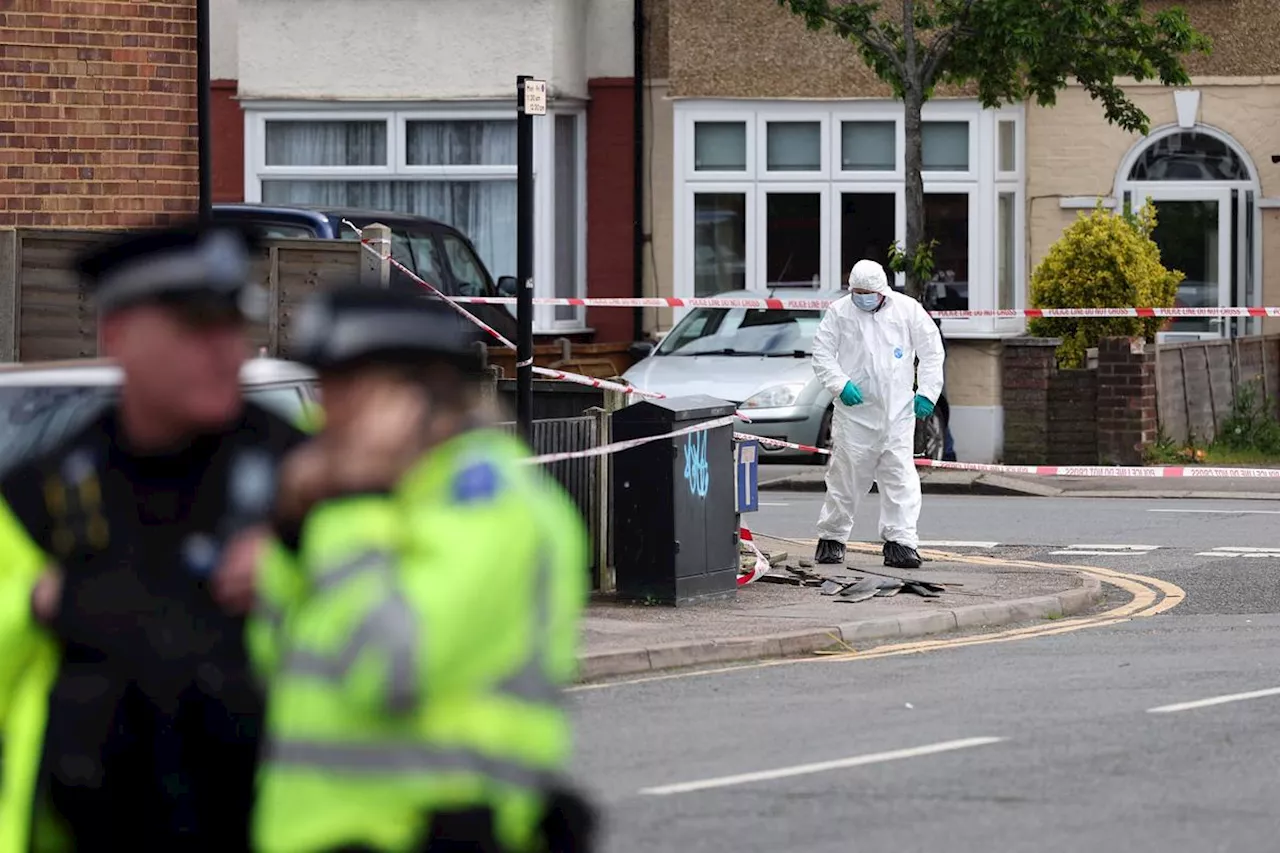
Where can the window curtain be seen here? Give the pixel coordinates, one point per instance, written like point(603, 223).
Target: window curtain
point(484, 210)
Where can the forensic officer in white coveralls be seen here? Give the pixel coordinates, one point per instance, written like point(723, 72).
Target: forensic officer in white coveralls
point(865, 354)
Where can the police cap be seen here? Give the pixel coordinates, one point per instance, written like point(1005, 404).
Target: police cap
point(200, 270)
point(353, 326)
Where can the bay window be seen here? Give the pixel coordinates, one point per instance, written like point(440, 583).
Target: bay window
point(456, 166)
point(793, 193)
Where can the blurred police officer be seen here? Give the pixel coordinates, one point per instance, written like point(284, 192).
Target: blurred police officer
point(130, 718)
point(420, 610)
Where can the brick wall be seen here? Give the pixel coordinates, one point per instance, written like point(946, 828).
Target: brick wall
point(1073, 417)
point(1126, 400)
point(97, 113)
point(1102, 416)
point(1028, 369)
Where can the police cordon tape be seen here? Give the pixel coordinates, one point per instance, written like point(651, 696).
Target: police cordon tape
point(761, 566)
point(1156, 472)
point(1152, 472)
point(576, 378)
point(819, 304)
point(615, 447)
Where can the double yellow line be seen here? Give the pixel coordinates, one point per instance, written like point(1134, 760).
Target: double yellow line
point(1150, 596)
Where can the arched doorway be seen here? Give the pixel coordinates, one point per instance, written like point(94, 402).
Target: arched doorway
point(1205, 191)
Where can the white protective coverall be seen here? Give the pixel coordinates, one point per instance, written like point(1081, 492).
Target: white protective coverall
point(874, 440)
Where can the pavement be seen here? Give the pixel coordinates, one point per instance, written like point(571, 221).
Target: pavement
point(935, 481)
point(766, 620)
point(1151, 728)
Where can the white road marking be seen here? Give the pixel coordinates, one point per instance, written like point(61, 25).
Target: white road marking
point(1222, 511)
point(1215, 700)
point(819, 767)
point(767, 503)
point(948, 543)
point(1241, 552)
point(1106, 550)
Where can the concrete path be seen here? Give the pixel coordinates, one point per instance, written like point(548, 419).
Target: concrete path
point(771, 620)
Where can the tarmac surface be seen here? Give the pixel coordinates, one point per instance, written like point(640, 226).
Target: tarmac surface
point(1148, 722)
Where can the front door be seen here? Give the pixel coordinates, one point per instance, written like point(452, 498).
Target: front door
point(1193, 231)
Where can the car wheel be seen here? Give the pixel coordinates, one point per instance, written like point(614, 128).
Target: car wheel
point(931, 437)
point(824, 439)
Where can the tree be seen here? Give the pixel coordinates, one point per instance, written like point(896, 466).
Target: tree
point(1012, 50)
point(1103, 260)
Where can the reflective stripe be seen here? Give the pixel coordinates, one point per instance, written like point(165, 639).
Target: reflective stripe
point(391, 626)
point(401, 759)
point(367, 562)
point(531, 683)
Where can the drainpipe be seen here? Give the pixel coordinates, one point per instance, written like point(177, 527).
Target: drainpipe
point(637, 212)
point(203, 120)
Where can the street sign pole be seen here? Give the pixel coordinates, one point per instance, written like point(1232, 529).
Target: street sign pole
point(531, 96)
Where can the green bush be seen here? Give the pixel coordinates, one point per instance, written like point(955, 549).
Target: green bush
point(1252, 424)
point(1104, 260)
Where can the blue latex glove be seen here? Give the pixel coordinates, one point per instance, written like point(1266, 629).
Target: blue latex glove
point(850, 396)
point(924, 407)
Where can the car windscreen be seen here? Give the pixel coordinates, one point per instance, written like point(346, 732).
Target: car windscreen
point(743, 331)
point(283, 400)
point(34, 419)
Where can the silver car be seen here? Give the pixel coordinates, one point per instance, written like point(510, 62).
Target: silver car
point(44, 402)
point(759, 359)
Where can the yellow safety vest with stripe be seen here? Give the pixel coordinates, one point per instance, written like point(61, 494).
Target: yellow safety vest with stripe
point(28, 668)
point(414, 645)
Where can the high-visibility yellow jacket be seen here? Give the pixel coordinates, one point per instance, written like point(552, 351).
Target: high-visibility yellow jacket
point(413, 646)
point(28, 668)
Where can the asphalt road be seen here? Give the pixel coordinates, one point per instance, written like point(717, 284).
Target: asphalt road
point(1080, 741)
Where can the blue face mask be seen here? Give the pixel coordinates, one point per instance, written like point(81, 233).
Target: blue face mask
point(867, 301)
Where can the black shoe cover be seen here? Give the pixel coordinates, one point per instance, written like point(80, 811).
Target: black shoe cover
point(829, 551)
point(899, 556)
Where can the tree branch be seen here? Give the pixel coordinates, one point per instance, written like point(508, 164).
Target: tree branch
point(942, 44)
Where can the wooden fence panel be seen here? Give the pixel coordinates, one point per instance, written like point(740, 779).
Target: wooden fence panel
point(1198, 382)
point(1171, 399)
point(302, 267)
point(55, 316)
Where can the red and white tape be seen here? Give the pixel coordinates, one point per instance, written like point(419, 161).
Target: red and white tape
point(1152, 472)
point(575, 378)
point(615, 447)
point(819, 304)
point(761, 566)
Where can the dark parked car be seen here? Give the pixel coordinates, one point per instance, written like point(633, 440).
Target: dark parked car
point(440, 254)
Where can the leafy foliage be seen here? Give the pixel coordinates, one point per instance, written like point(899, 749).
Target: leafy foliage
point(1013, 51)
point(1104, 260)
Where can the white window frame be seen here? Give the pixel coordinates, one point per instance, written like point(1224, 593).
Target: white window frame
point(982, 182)
point(838, 190)
point(886, 114)
point(766, 189)
point(944, 111)
point(1021, 281)
point(979, 254)
point(257, 130)
point(797, 113)
point(397, 117)
point(685, 253)
point(689, 126)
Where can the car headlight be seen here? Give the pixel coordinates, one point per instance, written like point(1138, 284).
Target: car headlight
point(775, 397)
